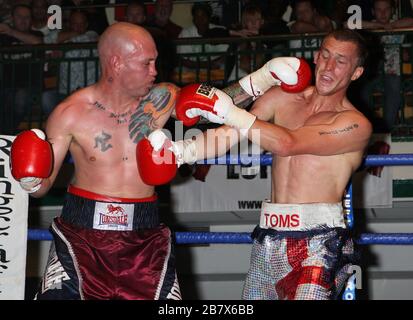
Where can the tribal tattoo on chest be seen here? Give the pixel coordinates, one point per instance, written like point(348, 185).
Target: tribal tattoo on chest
point(146, 118)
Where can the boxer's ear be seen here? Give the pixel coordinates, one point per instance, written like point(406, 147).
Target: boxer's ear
point(115, 63)
point(357, 73)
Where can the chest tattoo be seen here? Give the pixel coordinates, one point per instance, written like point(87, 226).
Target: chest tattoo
point(120, 118)
point(102, 141)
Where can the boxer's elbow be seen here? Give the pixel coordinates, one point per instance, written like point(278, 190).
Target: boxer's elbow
point(44, 189)
point(284, 146)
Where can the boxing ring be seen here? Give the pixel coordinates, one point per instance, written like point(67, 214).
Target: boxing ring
point(245, 238)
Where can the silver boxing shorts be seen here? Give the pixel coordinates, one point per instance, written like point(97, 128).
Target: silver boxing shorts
point(300, 252)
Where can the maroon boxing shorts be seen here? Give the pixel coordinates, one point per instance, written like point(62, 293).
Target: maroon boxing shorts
point(109, 248)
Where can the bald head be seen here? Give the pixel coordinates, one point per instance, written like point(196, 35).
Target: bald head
point(123, 39)
point(127, 55)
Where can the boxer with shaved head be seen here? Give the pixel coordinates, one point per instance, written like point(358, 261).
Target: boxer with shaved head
point(108, 241)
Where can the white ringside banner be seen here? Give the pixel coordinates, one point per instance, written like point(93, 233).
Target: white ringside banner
point(226, 188)
point(371, 191)
point(237, 188)
point(14, 204)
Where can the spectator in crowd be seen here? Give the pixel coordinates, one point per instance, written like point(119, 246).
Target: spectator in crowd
point(308, 20)
point(383, 12)
point(136, 13)
point(40, 17)
point(97, 18)
point(339, 13)
point(228, 11)
point(78, 33)
point(20, 81)
point(274, 24)
point(161, 19)
point(50, 96)
point(20, 32)
point(202, 28)
point(390, 67)
point(252, 21)
point(273, 18)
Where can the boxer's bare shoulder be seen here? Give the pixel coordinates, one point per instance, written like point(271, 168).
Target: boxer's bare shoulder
point(275, 100)
point(87, 107)
point(74, 103)
point(153, 110)
point(70, 111)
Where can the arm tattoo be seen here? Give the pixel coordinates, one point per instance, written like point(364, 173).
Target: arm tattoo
point(240, 97)
point(159, 101)
point(339, 131)
point(102, 141)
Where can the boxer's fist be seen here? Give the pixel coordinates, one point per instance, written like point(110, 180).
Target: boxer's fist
point(195, 96)
point(213, 104)
point(159, 158)
point(156, 160)
point(31, 159)
point(292, 74)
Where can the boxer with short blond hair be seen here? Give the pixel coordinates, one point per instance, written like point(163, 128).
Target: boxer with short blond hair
point(302, 248)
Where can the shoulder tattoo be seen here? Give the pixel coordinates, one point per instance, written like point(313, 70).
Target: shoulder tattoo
point(159, 101)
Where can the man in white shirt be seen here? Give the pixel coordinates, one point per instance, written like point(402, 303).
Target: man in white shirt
point(201, 27)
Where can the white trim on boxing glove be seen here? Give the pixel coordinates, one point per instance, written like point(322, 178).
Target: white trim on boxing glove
point(232, 114)
point(258, 82)
point(241, 119)
point(185, 150)
point(31, 184)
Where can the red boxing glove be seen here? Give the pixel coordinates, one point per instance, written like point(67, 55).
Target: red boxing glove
point(212, 104)
point(156, 167)
point(292, 74)
point(304, 78)
point(190, 95)
point(31, 155)
point(159, 158)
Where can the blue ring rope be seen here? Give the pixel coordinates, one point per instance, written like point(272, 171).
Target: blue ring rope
point(265, 160)
point(404, 159)
point(245, 237)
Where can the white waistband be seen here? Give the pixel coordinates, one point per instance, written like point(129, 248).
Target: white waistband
point(301, 217)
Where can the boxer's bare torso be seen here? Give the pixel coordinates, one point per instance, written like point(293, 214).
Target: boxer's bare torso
point(319, 137)
point(307, 178)
point(103, 143)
